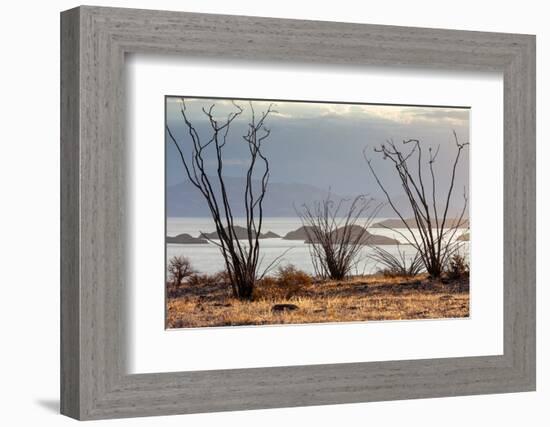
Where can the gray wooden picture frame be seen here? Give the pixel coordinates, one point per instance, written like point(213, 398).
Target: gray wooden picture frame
point(94, 41)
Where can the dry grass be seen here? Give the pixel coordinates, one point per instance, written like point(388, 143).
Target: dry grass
point(359, 299)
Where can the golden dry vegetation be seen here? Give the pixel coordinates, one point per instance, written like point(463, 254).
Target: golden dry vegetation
point(365, 298)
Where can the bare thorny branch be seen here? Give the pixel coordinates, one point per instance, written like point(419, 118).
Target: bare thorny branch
point(336, 232)
point(435, 241)
point(241, 259)
point(398, 265)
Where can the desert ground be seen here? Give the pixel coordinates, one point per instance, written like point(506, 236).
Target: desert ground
point(208, 302)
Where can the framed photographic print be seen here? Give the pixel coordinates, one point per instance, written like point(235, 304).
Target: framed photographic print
point(309, 238)
point(261, 213)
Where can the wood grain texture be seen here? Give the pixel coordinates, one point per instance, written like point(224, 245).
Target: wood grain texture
point(94, 381)
point(70, 333)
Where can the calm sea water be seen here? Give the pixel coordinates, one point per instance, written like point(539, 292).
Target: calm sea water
point(206, 258)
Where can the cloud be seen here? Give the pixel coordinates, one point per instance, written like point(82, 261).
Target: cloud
point(321, 144)
point(410, 115)
point(291, 110)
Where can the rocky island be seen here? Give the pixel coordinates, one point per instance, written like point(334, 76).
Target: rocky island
point(241, 233)
point(411, 222)
point(368, 238)
point(186, 239)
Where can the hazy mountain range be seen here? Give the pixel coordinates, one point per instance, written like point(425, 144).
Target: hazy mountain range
point(281, 200)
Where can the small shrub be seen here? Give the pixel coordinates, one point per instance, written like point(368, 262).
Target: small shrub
point(289, 275)
point(204, 279)
point(179, 268)
point(285, 284)
point(397, 266)
point(222, 277)
point(269, 289)
point(389, 272)
point(457, 267)
point(199, 279)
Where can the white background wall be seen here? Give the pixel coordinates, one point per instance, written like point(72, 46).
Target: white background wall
point(29, 212)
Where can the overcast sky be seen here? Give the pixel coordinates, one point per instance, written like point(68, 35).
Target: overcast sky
point(322, 143)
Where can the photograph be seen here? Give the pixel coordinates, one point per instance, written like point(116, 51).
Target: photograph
point(294, 212)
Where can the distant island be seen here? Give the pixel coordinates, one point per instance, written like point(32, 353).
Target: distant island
point(301, 233)
point(185, 239)
point(298, 234)
point(369, 238)
point(411, 222)
point(241, 233)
